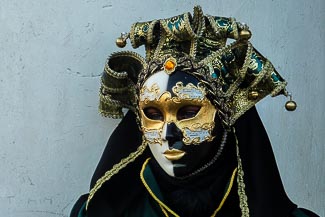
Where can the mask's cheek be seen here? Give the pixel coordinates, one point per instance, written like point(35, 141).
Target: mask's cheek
point(158, 146)
point(152, 136)
point(197, 136)
point(157, 151)
point(199, 129)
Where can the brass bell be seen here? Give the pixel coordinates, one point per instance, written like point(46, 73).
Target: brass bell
point(253, 95)
point(120, 42)
point(245, 34)
point(291, 105)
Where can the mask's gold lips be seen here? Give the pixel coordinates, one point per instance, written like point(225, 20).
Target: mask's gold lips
point(174, 154)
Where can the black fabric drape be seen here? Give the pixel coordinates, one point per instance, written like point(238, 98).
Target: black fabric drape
point(266, 195)
point(115, 195)
point(265, 192)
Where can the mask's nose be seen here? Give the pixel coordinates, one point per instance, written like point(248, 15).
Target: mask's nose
point(172, 134)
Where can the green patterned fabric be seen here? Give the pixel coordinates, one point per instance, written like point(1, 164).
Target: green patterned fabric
point(299, 213)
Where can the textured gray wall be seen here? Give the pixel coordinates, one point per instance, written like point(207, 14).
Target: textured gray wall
point(51, 56)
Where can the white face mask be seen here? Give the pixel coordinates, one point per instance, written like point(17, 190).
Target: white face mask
point(177, 121)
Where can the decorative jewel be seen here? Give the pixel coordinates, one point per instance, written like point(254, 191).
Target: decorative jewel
point(291, 105)
point(170, 65)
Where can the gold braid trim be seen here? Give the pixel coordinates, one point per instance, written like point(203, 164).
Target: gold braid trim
point(227, 192)
point(267, 69)
point(161, 43)
point(164, 211)
point(165, 208)
point(115, 89)
point(242, 72)
point(116, 168)
point(243, 204)
point(161, 204)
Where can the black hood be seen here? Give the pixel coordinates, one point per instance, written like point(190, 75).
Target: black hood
point(264, 188)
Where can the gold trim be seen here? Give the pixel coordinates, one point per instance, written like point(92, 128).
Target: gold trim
point(132, 35)
point(161, 204)
point(164, 207)
point(243, 204)
point(242, 71)
point(227, 192)
point(235, 28)
point(164, 211)
point(114, 89)
point(150, 34)
point(160, 45)
point(116, 168)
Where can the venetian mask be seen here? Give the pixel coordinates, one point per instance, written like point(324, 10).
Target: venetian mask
point(177, 120)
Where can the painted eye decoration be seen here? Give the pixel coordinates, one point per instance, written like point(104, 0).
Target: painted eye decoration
point(186, 112)
point(153, 114)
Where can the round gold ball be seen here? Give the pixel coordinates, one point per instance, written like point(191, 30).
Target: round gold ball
point(245, 34)
point(291, 105)
point(253, 95)
point(120, 42)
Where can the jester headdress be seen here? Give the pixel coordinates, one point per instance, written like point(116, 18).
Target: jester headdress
point(235, 75)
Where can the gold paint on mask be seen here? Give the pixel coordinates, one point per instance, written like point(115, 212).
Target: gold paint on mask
point(152, 136)
point(174, 154)
point(196, 129)
point(190, 91)
point(149, 94)
point(198, 133)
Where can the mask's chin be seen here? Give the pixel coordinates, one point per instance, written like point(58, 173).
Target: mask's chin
point(157, 151)
point(195, 157)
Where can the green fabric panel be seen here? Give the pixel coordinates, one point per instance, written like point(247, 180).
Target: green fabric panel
point(145, 206)
point(82, 211)
point(298, 213)
point(151, 181)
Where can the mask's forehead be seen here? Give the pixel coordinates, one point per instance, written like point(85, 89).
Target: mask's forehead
point(160, 79)
point(166, 82)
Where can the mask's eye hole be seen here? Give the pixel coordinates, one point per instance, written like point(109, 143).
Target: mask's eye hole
point(187, 112)
point(153, 113)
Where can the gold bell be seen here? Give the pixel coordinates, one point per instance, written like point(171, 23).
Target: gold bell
point(121, 41)
point(253, 95)
point(291, 105)
point(245, 34)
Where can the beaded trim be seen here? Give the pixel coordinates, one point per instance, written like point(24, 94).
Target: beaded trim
point(212, 161)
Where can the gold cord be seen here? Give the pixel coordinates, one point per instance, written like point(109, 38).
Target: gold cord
point(150, 191)
point(227, 192)
point(116, 168)
point(164, 207)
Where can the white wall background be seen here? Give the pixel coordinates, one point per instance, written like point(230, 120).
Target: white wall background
point(52, 54)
